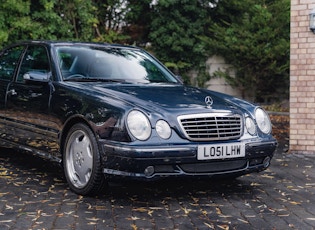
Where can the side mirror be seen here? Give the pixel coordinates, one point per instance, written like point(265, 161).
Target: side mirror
point(36, 77)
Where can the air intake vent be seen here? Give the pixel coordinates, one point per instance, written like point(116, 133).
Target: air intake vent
point(210, 127)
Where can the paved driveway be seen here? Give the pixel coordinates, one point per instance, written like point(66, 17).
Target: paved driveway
point(33, 195)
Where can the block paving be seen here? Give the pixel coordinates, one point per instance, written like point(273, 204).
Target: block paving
point(34, 195)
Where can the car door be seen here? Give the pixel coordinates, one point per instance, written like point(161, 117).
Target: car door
point(28, 98)
point(9, 60)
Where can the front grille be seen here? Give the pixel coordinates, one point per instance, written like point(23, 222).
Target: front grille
point(211, 126)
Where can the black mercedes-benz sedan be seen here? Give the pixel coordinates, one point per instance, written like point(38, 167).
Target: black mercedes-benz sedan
point(102, 110)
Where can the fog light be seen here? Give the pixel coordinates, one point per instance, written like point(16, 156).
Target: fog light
point(149, 171)
point(266, 162)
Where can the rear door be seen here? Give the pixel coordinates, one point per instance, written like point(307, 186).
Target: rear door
point(9, 60)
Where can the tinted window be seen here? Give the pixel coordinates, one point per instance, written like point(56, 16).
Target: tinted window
point(111, 63)
point(9, 61)
point(35, 64)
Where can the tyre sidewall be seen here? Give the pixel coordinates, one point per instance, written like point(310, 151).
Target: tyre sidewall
point(96, 182)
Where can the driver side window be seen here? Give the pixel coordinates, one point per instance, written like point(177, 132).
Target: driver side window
point(35, 64)
point(8, 62)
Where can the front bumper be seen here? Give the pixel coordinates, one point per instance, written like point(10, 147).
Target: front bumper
point(181, 160)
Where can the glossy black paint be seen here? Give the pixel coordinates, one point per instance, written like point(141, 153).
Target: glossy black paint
point(36, 114)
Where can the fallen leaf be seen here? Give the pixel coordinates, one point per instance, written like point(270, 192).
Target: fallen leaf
point(135, 218)
point(219, 212)
point(204, 212)
point(255, 184)
point(244, 221)
point(187, 211)
point(3, 194)
point(196, 200)
point(150, 212)
point(225, 227)
point(156, 208)
point(92, 223)
point(294, 202)
point(209, 225)
point(92, 219)
point(267, 176)
point(8, 207)
point(69, 213)
point(285, 214)
point(140, 209)
point(5, 221)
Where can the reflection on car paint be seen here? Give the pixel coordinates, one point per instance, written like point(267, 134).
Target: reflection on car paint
point(103, 111)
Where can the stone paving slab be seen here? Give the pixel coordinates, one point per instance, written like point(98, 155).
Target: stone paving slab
point(33, 195)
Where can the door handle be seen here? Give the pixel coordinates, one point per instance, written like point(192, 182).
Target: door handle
point(36, 95)
point(12, 92)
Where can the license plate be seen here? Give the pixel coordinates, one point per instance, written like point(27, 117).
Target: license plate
point(220, 151)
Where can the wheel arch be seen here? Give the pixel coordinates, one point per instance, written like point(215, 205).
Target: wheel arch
point(96, 181)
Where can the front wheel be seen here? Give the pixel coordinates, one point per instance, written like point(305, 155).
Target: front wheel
point(82, 161)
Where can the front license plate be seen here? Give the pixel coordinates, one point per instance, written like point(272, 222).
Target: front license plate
point(220, 151)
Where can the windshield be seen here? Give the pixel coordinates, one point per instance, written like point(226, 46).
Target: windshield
point(110, 64)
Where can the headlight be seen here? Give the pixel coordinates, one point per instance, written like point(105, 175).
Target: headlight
point(250, 126)
point(263, 121)
point(163, 129)
point(139, 125)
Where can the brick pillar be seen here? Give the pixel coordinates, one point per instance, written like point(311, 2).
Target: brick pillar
point(302, 79)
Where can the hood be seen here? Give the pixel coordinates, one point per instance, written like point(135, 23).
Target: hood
point(167, 97)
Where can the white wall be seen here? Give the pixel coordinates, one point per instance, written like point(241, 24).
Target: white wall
point(219, 84)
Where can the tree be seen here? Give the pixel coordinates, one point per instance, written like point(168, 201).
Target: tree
point(138, 21)
point(15, 22)
point(47, 20)
point(253, 36)
point(93, 20)
point(78, 18)
point(174, 33)
point(110, 18)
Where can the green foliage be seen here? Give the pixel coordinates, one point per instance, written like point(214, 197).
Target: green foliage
point(256, 42)
point(175, 28)
point(138, 21)
point(110, 16)
point(61, 20)
point(14, 20)
point(111, 36)
point(42, 14)
point(252, 35)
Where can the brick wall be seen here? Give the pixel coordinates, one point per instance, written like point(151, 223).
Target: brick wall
point(302, 79)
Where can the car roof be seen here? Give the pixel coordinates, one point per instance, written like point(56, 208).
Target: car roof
point(52, 43)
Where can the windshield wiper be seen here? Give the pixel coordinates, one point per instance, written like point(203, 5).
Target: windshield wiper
point(90, 79)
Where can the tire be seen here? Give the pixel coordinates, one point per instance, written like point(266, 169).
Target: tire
point(82, 162)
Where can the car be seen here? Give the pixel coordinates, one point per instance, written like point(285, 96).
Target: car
point(104, 111)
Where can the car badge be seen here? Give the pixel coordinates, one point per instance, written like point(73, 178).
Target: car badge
point(209, 101)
